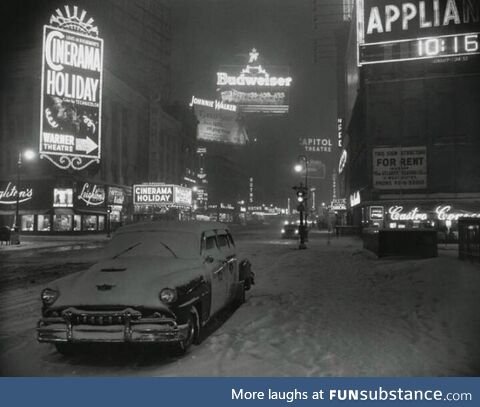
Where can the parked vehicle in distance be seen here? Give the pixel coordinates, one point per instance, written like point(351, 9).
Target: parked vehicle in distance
point(290, 231)
point(160, 282)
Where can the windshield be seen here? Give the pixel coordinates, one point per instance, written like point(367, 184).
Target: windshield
point(165, 244)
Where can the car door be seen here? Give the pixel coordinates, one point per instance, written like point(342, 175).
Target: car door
point(216, 265)
point(225, 244)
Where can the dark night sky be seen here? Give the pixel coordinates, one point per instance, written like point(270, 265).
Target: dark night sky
point(209, 33)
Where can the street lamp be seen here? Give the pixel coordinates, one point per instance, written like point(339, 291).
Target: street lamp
point(27, 155)
point(303, 202)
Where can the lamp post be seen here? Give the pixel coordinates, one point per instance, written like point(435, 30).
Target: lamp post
point(303, 204)
point(26, 155)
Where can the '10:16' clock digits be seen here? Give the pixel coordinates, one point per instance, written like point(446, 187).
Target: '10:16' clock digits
point(459, 44)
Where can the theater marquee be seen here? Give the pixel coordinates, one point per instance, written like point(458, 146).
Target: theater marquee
point(395, 30)
point(71, 95)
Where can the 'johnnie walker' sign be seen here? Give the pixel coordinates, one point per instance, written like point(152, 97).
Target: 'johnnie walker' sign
point(71, 96)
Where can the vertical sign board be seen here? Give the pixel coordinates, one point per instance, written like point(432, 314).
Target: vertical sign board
point(71, 94)
point(400, 167)
point(399, 30)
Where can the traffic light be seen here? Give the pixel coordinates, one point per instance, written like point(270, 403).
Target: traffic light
point(300, 195)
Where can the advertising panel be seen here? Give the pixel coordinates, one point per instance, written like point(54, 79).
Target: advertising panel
point(90, 196)
point(398, 30)
point(339, 204)
point(116, 196)
point(63, 197)
point(71, 91)
point(162, 195)
point(218, 122)
point(254, 88)
point(31, 195)
point(400, 167)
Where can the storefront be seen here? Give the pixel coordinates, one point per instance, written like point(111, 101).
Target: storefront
point(440, 215)
point(60, 205)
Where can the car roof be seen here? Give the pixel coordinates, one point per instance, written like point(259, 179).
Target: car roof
point(186, 226)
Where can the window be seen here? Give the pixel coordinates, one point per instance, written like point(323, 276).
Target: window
point(27, 223)
point(89, 222)
point(43, 223)
point(77, 223)
point(101, 223)
point(210, 243)
point(230, 239)
point(62, 223)
point(222, 241)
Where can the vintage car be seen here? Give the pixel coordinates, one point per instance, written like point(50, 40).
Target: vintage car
point(290, 231)
point(159, 282)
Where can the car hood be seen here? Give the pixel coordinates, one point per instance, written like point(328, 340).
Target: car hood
point(127, 281)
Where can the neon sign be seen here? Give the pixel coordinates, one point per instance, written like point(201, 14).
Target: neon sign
point(343, 161)
point(253, 76)
point(355, 199)
point(71, 95)
point(401, 31)
point(9, 195)
point(214, 104)
point(254, 88)
point(161, 195)
point(92, 195)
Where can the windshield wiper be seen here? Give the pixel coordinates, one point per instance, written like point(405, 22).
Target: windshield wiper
point(168, 248)
point(126, 250)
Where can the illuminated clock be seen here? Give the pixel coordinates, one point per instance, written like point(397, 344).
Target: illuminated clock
point(451, 45)
point(420, 48)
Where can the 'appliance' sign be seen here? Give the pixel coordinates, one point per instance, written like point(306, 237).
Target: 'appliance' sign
point(396, 30)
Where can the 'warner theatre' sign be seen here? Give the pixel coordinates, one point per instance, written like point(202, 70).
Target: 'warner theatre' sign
point(71, 94)
point(396, 30)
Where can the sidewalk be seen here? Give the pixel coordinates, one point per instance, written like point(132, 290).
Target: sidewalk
point(29, 242)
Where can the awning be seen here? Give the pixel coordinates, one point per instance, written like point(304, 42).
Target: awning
point(25, 212)
point(63, 211)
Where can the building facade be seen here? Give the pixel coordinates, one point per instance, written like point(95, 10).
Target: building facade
point(412, 120)
point(140, 141)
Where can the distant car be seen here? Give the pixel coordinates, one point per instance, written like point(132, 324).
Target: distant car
point(160, 282)
point(290, 231)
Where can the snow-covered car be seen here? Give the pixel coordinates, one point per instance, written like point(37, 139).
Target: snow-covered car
point(159, 282)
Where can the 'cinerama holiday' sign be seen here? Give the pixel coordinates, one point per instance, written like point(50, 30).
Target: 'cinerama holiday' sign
point(71, 96)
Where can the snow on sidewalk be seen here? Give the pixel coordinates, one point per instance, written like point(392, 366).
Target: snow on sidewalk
point(334, 310)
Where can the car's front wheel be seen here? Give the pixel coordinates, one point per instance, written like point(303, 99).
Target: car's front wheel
point(193, 332)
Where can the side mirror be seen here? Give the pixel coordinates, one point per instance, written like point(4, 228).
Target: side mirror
point(208, 259)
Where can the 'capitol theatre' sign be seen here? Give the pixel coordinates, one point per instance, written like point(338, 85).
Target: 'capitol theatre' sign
point(71, 95)
point(399, 30)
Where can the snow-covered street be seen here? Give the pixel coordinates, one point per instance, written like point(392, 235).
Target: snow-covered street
point(331, 310)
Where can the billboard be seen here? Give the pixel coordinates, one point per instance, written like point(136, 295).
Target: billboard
point(400, 167)
point(90, 195)
point(71, 91)
point(162, 195)
point(254, 88)
point(218, 122)
point(397, 30)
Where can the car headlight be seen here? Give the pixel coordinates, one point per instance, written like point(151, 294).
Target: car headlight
point(168, 295)
point(49, 296)
point(283, 230)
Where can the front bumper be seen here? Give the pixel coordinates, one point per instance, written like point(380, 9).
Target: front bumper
point(73, 326)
